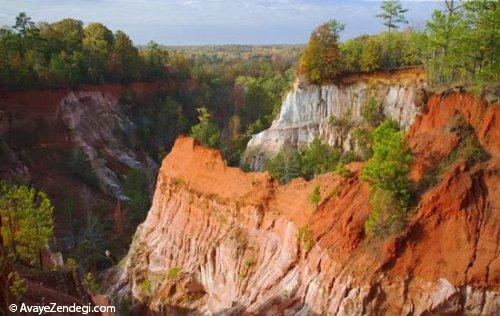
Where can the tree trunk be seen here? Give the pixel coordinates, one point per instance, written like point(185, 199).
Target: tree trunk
point(39, 252)
point(12, 242)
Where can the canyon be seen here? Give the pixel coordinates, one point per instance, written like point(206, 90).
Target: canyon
point(163, 174)
point(41, 131)
point(218, 240)
point(87, 119)
point(221, 241)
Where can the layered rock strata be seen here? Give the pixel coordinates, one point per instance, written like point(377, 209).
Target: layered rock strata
point(331, 112)
point(219, 241)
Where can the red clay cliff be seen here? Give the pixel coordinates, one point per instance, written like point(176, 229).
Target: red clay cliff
point(240, 243)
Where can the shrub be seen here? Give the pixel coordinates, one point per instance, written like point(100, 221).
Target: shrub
point(173, 273)
point(342, 171)
point(136, 188)
point(342, 125)
point(387, 215)
point(91, 283)
point(317, 158)
point(306, 238)
point(371, 113)
point(348, 157)
point(285, 166)
point(469, 149)
point(362, 137)
point(71, 264)
point(17, 285)
point(372, 117)
point(78, 165)
point(315, 195)
point(145, 287)
point(178, 182)
point(206, 131)
point(247, 265)
point(249, 262)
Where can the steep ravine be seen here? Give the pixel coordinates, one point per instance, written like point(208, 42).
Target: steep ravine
point(93, 119)
point(221, 241)
point(39, 131)
point(309, 111)
point(44, 123)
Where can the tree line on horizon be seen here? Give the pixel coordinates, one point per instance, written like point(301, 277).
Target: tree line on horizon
point(66, 53)
point(458, 46)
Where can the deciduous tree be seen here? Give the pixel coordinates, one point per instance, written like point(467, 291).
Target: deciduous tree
point(322, 61)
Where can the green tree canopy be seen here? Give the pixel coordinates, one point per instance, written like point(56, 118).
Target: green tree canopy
point(136, 188)
point(317, 158)
point(63, 36)
point(124, 62)
point(156, 59)
point(24, 24)
point(389, 167)
point(387, 172)
point(285, 166)
point(97, 42)
point(206, 131)
point(308, 162)
point(27, 221)
point(371, 57)
point(462, 44)
point(392, 13)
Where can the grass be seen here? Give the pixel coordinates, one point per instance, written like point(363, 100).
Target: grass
point(342, 171)
point(248, 263)
point(178, 182)
point(315, 196)
point(387, 216)
point(305, 237)
point(145, 287)
point(173, 273)
point(469, 150)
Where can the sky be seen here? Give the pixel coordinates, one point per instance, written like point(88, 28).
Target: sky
point(201, 22)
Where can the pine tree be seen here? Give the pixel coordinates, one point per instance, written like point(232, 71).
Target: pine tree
point(392, 14)
point(29, 225)
point(206, 131)
point(388, 174)
point(481, 42)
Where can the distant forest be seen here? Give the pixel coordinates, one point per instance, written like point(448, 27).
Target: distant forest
point(67, 53)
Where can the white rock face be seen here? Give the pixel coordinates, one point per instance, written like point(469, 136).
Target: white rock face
point(307, 111)
point(93, 119)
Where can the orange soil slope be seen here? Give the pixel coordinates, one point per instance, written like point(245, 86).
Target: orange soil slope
point(453, 233)
point(236, 236)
